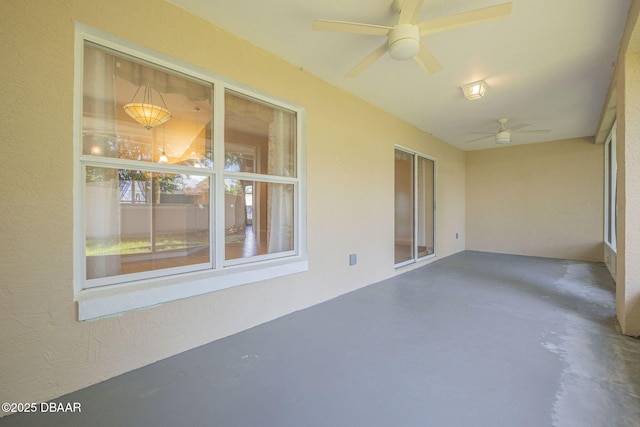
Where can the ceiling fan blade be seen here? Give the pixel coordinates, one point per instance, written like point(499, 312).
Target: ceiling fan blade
point(518, 126)
point(482, 133)
point(350, 27)
point(479, 139)
point(427, 61)
point(465, 18)
point(532, 131)
point(410, 11)
point(368, 60)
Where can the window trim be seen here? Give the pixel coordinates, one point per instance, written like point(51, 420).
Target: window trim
point(114, 299)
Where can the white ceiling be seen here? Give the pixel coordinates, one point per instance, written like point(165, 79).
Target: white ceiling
point(549, 64)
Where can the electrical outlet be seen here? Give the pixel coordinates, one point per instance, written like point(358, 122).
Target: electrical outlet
point(353, 259)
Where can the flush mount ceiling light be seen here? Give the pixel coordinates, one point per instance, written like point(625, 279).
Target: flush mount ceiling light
point(474, 90)
point(146, 112)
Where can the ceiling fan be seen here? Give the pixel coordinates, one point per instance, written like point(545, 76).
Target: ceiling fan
point(503, 136)
point(403, 39)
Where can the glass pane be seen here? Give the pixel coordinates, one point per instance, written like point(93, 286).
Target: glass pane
point(116, 88)
point(403, 207)
point(141, 221)
point(259, 138)
point(610, 190)
point(259, 218)
point(613, 204)
point(425, 207)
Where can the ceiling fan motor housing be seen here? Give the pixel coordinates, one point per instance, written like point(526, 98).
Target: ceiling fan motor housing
point(404, 41)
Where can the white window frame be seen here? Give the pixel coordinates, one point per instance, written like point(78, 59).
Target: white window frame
point(416, 155)
point(149, 289)
point(610, 189)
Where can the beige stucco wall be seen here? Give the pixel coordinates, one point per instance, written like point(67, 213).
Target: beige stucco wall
point(628, 232)
point(540, 199)
point(45, 351)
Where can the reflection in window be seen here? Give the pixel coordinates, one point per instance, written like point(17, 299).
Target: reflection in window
point(112, 81)
point(169, 228)
point(259, 214)
point(150, 184)
point(262, 227)
point(147, 219)
point(259, 138)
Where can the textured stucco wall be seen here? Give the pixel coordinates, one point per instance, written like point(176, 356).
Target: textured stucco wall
point(627, 81)
point(540, 199)
point(628, 258)
point(45, 351)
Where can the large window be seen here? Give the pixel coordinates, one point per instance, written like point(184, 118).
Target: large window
point(146, 185)
point(180, 172)
point(610, 193)
point(414, 207)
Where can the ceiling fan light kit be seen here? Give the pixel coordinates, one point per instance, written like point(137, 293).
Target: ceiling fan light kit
point(404, 41)
point(503, 137)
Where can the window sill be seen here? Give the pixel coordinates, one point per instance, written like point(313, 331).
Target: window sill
point(117, 299)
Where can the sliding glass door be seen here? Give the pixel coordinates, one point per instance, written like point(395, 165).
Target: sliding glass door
point(404, 207)
point(414, 207)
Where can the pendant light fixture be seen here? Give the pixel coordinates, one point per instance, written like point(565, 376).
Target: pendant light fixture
point(163, 157)
point(146, 112)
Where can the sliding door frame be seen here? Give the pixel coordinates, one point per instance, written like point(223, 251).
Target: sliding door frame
point(416, 201)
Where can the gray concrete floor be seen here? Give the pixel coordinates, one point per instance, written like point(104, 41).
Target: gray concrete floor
point(475, 339)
